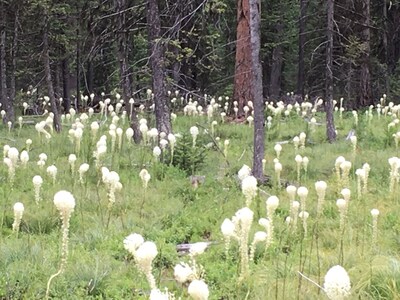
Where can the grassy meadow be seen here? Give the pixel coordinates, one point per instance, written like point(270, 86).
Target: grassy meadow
point(173, 211)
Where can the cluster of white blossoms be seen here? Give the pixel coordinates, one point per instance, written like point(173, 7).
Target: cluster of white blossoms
point(112, 182)
point(145, 177)
point(42, 160)
point(337, 284)
point(65, 204)
point(24, 158)
point(192, 273)
point(18, 212)
point(248, 184)
point(144, 253)
point(100, 152)
point(83, 168)
point(37, 184)
point(52, 172)
point(238, 228)
point(11, 157)
point(249, 189)
point(194, 131)
point(40, 128)
point(394, 163)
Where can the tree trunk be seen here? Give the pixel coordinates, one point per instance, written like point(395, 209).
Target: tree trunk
point(393, 36)
point(365, 95)
point(349, 81)
point(243, 62)
point(90, 41)
point(276, 67)
point(302, 40)
point(266, 73)
point(57, 81)
point(78, 68)
point(330, 125)
point(163, 117)
point(255, 19)
point(3, 64)
point(385, 46)
point(66, 85)
point(47, 71)
point(14, 56)
point(90, 76)
point(10, 100)
point(122, 53)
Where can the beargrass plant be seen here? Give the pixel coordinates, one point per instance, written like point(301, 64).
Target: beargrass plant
point(278, 169)
point(98, 268)
point(374, 214)
point(18, 212)
point(65, 204)
point(37, 183)
point(192, 273)
point(144, 253)
point(145, 177)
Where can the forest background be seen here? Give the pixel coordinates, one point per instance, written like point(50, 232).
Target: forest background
point(105, 46)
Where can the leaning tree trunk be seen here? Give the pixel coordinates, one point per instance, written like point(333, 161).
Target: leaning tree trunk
point(163, 117)
point(255, 19)
point(243, 62)
point(365, 94)
point(302, 41)
point(122, 53)
point(47, 72)
point(330, 125)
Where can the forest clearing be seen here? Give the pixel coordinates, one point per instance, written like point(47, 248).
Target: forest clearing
point(198, 149)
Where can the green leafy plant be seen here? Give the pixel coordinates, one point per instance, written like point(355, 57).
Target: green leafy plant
point(186, 157)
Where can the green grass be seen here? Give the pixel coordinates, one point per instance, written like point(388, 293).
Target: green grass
point(172, 212)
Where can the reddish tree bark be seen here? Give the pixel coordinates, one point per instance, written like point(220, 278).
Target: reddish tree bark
point(243, 63)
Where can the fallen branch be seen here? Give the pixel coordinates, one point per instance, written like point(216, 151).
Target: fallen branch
point(6, 138)
point(185, 248)
point(310, 280)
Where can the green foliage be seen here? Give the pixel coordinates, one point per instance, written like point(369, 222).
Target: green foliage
point(187, 157)
point(175, 212)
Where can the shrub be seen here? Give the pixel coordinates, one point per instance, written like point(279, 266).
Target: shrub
point(186, 157)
